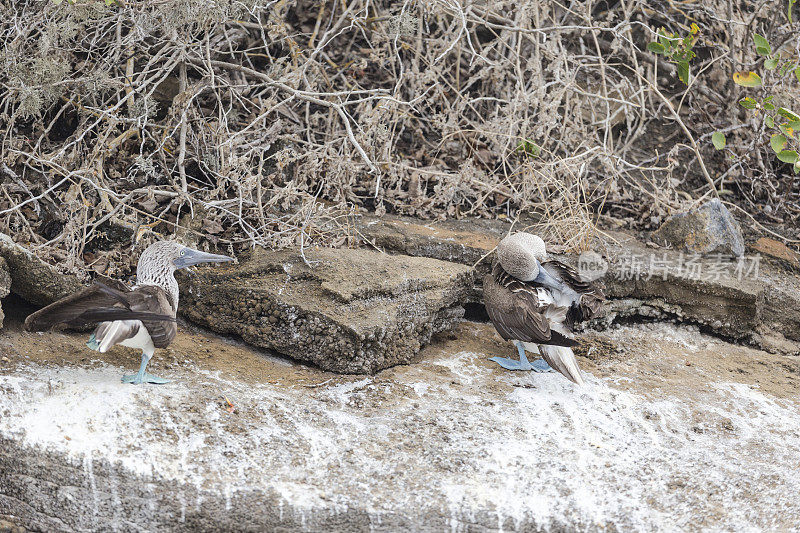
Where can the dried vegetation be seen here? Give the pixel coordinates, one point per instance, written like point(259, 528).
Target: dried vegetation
point(276, 122)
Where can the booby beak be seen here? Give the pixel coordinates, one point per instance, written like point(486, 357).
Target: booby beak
point(546, 280)
point(190, 257)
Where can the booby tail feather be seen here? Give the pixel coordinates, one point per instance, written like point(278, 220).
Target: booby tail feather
point(562, 359)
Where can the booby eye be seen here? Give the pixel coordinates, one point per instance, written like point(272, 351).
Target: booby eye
point(183, 252)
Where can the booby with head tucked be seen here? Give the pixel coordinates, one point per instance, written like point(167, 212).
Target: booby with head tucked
point(142, 317)
point(535, 303)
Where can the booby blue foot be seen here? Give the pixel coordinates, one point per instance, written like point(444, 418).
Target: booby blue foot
point(138, 379)
point(142, 376)
point(511, 364)
point(93, 344)
point(538, 365)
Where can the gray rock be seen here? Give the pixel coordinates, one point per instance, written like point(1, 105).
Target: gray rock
point(744, 299)
point(353, 311)
point(5, 286)
point(706, 230)
point(33, 279)
point(760, 307)
point(459, 241)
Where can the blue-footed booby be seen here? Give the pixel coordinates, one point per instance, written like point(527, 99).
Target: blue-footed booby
point(535, 303)
point(142, 317)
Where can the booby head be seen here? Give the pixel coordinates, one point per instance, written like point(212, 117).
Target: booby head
point(521, 255)
point(169, 256)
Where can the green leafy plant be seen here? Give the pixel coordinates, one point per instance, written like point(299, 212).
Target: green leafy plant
point(529, 148)
point(782, 123)
point(677, 50)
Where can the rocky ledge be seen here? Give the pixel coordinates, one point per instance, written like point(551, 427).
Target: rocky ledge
point(345, 310)
point(674, 431)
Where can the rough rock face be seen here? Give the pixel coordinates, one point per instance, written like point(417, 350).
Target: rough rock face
point(458, 241)
point(745, 299)
point(673, 431)
point(33, 279)
point(450, 240)
point(352, 311)
point(708, 229)
point(760, 306)
point(5, 285)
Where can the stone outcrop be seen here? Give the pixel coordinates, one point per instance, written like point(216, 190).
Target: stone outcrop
point(747, 298)
point(708, 229)
point(457, 241)
point(351, 311)
point(33, 279)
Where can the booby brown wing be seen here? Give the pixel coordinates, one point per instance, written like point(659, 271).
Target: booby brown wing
point(153, 301)
point(516, 312)
point(99, 303)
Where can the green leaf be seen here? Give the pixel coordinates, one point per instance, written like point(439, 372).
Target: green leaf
point(771, 63)
point(788, 156)
point(683, 71)
point(786, 130)
point(770, 121)
point(782, 111)
point(778, 142)
point(747, 79)
point(769, 106)
point(656, 48)
point(797, 73)
point(718, 139)
point(748, 103)
point(762, 44)
point(530, 148)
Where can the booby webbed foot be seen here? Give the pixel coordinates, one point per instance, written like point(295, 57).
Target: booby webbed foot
point(538, 365)
point(144, 377)
point(93, 344)
point(511, 364)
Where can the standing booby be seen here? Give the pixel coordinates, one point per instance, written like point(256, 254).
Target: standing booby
point(533, 302)
point(142, 317)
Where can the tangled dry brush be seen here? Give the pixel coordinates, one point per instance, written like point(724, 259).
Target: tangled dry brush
point(267, 122)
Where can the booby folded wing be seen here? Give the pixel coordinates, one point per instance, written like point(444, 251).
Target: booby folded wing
point(94, 304)
point(152, 302)
point(517, 314)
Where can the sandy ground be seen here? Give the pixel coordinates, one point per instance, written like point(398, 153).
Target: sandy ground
point(673, 430)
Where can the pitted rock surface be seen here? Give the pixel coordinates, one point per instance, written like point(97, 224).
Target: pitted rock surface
point(5, 285)
point(351, 311)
